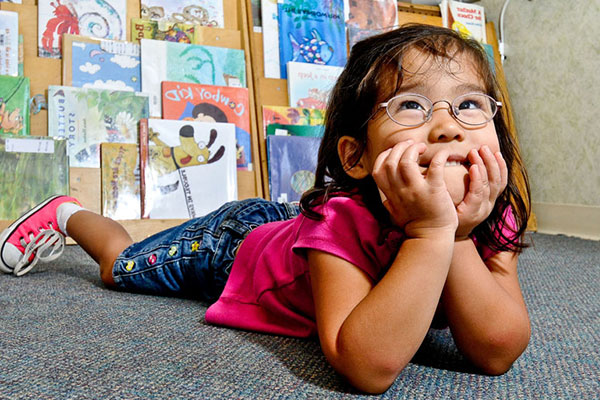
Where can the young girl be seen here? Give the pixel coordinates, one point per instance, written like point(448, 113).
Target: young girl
point(415, 221)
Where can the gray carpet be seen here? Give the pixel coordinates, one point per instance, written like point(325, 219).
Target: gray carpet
point(64, 336)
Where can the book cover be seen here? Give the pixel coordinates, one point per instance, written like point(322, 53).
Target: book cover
point(311, 32)
point(295, 130)
point(9, 43)
point(88, 117)
point(292, 161)
point(309, 85)
point(210, 103)
point(161, 30)
point(191, 168)
point(468, 19)
point(103, 19)
point(14, 105)
point(120, 172)
point(191, 63)
point(33, 169)
point(101, 64)
point(370, 17)
point(291, 116)
point(270, 36)
point(205, 12)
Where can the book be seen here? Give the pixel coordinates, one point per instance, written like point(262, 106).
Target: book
point(192, 63)
point(468, 19)
point(88, 117)
point(309, 85)
point(270, 35)
point(103, 19)
point(14, 105)
point(120, 182)
point(291, 116)
point(292, 161)
point(295, 130)
point(210, 103)
point(311, 32)
point(205, 12)
point(190, 170)
point(370, 17)
point(9, 43)
point(33, 169)
point(101, 64)
point(161, 30)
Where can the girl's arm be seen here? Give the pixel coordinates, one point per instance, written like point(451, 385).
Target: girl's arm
point(370, 333)
point(485, 309)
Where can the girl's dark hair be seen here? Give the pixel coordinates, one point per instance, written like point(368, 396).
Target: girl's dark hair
point(374, 74)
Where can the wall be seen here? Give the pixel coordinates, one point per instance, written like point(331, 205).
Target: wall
point(553, 77)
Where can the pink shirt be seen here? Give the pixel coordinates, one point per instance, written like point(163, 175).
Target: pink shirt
point(269, 288)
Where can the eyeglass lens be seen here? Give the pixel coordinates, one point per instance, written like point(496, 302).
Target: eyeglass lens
point(413, 109)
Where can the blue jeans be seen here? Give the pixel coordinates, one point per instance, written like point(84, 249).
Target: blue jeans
point(194, 259)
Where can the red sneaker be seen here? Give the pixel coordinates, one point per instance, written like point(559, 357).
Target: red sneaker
point(34, 237)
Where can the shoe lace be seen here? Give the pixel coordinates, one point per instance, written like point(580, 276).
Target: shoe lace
point(46, 246)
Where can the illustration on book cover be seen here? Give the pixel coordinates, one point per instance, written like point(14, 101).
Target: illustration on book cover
point(190, 170)
point(103, 19)
point(206, 12)
point(106, 65)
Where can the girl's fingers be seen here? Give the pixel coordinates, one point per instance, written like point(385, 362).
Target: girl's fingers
point(491, 165)
point(386, 164)
point(503, 170)
point(435, 172)
point(408, 166)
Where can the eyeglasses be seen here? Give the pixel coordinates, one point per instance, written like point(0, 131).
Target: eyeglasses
point(411, 109)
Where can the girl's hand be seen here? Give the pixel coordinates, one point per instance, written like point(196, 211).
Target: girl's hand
point(488, 177)
point(418, 203)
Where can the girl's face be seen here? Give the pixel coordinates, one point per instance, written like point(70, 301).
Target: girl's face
point(435, 80)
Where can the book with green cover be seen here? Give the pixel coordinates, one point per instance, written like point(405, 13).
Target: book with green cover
point(33, 169)
point(14, 105)
point(88, 117)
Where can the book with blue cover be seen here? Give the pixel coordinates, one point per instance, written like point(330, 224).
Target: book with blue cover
point(101, 64)
point(311, 31)
point(292, 161)
point(192, 63)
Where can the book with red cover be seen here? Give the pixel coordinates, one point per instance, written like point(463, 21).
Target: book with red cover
point(211, 103)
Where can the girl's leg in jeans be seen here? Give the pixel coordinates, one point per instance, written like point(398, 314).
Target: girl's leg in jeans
point(102, 238)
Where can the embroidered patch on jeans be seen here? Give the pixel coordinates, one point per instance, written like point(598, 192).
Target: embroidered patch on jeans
point(129, 266)
point(195, 246)
point(152, 259)
point(173, 251)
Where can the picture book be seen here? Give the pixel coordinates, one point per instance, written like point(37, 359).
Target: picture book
point(205, 12)
point(101, 64)
point(103, 19)
point(88, 117)
point(14, 105)
point(309, 85)
point(468, 19)
point(370, 17)
point(256, 15)
point(192, 63)
point(292, 116)
point(9, 43)
point(120, 171)
point(270, 36)
point(210, 103)
point(161, 30)
point(295, 130)
point(292, 161)
point(190, 169)
point(33, 169)
point(311, 32)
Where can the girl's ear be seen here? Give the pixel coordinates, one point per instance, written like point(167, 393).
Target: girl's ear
point(347, 151)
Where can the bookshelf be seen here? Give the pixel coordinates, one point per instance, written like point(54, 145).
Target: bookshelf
point(238, 32)
point(85, 182)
